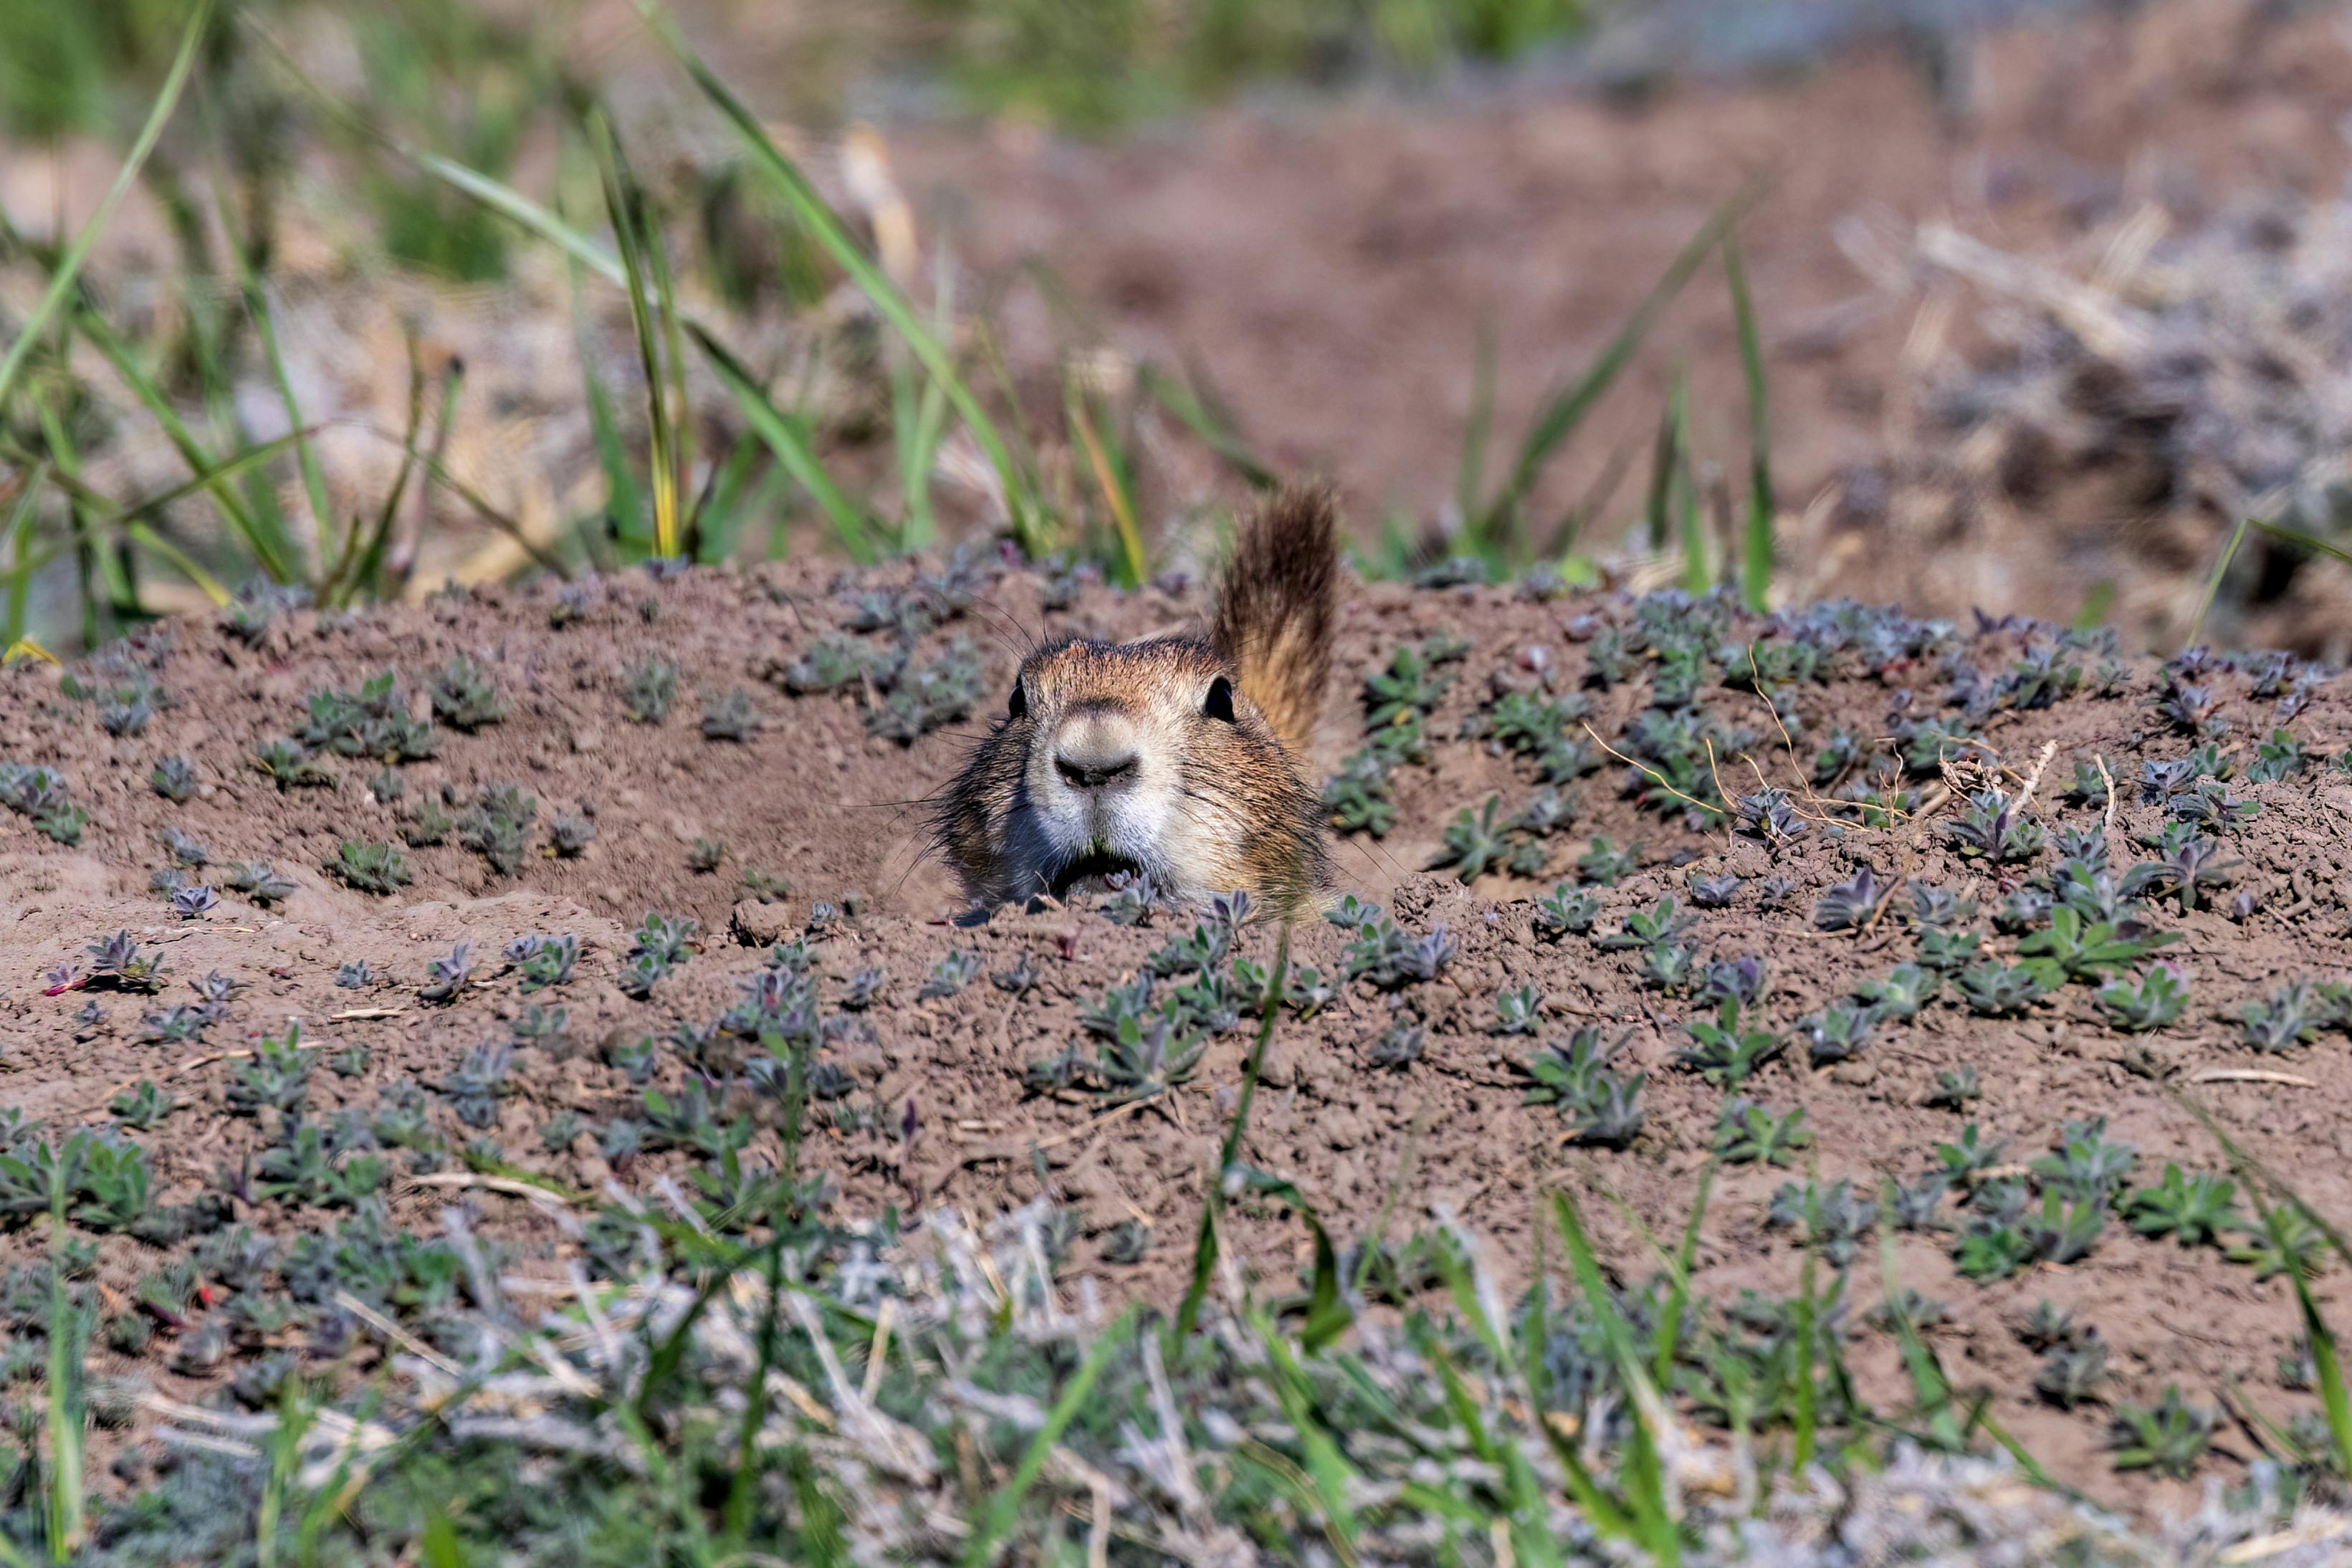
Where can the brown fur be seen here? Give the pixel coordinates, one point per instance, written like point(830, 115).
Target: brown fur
point(1219, 803)
point(1275, 608)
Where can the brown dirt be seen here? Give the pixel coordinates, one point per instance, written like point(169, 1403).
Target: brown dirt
point(813, 799)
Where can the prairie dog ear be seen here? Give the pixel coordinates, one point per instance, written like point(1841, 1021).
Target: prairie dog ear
point(1277, 606)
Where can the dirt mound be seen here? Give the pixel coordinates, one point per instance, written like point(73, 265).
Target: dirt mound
point(1757, 889)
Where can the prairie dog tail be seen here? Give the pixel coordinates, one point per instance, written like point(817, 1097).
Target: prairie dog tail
point(1275, 608)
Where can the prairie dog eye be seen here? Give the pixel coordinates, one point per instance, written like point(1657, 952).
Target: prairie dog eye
point(1219, 702)
point(1017, 707)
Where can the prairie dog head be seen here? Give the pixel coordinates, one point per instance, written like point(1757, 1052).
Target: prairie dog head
point(1175, 759)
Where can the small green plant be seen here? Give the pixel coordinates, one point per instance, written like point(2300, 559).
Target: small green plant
point(1995, 991)
point(2169, 1439)
point(370, 866)
point(1725, 1054)
point(2290, 1016)
point(2069, 948)
point(1852, 904)
point(1900, 993)
point(2084, 1162)
point(1992, 828)
point(705, 855)
point(463, 697)
point(1956, 1088)
point(2192, 1210)
point(288, 766)
point(1518, 1012)
point(498, 827)
point(570, 836)
point(2158, 998)
point(2072, 1369)
point(142, 1106)
point(1601, 1106)
point(729, 716)
point(1654, 927)
point(1565, 911)
point(174, 779)
point(1606, 864)
point(1747, 1133)
point(648, 687)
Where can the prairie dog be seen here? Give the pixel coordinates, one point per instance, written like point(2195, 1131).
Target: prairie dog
point(1177, 758)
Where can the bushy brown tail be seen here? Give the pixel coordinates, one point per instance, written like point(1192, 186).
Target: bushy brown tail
point(1276, 609)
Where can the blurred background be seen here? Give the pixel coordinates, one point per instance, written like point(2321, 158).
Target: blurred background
point(1975, 305)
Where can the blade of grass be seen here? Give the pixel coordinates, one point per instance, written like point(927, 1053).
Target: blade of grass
point(1670, 1321)
point(789, 441)
point(625, 203)
point(1470, 479)
point(144, 535)
point(1665, 461)
point(624, 505)
point(367, 572)
point(1204, 1251)
point(63, 1414)
point(1209, 422)
point(2213, 580)
point(1111, 480)
point(1567, 408)
point(1756, 566)
point(1335, 1481)
point(68, 266)
point(1685, 492)
point(273, 553)
point(2326, 1361)
point(1807, 1418)
point(1327, 1312)
point(1004, 1505)
point(1644, 1480)
point(18, 531)
point(817, 216)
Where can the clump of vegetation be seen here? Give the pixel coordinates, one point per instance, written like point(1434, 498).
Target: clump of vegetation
point(463, 696)
point(370, 866)
point(648, 687)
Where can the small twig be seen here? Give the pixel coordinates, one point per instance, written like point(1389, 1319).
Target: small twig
point(2251, 1075)
point(2100, 758)
point(2033, 778)
point(397, 1335)
point(356, 1013)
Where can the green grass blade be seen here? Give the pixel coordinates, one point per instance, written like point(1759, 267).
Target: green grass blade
point(1204, 1249)
point(1208, 420)
point(2213, 580)
point(144, 535)
point(22, 562)
point(817, 216)
point(61, 280)
point(624, 201)
point(1670, 1321)
point(1685, 491)
point(1567, 408)
point(1807, 1418)
point(1004, 1505)
point(786, 437)
point(68, 1523)
point(1111, 477)
point(1665, 461)
point(624, 504)
point(1645, 1480)
point(272, 552)
point(1756, 566)
point(1327, 1312)
point(1470, 479)
point(314, 477)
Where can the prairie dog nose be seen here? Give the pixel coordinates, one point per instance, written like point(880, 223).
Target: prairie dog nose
point(1096, 751)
